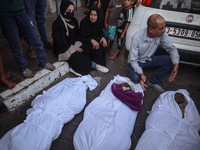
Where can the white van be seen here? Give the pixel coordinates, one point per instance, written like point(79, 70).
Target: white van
point(182, 24)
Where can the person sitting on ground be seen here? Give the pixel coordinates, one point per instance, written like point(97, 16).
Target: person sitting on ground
point(143, 46)
point(122, 25)
point(36, 10)
point(92, 35)
point(13, 21)
point(5, 76)
point(113, 11)
point(66, 44)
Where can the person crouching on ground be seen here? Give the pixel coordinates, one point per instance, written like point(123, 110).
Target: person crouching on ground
point(143, 46)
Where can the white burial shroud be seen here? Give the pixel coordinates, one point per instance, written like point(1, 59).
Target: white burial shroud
point(108, 123)
point(49, 112)
point(165, 128)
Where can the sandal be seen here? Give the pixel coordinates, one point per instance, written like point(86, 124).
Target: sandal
point(27, 72)
point(49, 66)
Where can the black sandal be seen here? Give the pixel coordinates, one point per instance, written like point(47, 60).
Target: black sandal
point(47, 66)
point(26, 72)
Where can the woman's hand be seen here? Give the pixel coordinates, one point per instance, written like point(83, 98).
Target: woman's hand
point(104, 42)
point(79, 50)
point(95, 44)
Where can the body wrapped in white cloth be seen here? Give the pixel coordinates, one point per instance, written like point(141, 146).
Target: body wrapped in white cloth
point(168, 128)
point(49, 112)
point(108, 123)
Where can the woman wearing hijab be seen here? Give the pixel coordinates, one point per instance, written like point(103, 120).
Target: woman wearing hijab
point(66, 44)
point(92, 35)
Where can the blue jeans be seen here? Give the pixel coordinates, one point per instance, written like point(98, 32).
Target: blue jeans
point(11, 27)
point(163, 62)
point(36, 10)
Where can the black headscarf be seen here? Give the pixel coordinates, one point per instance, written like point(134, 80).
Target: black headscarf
point(64, 5)
point(97, 23)
point(67, 19)
point(91, 30)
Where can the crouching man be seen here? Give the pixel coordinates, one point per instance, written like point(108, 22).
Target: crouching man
point(143, 47)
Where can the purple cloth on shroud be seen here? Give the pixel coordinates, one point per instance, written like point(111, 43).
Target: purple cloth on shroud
point(128, 97)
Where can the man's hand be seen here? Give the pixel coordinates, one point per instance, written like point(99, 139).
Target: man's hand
point(143, 85)
point(142, 81)
point(143, 77)
point(174, 73)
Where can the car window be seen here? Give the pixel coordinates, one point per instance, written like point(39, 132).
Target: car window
point(189, 6)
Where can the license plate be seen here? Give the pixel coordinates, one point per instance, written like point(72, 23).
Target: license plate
point(183, 32)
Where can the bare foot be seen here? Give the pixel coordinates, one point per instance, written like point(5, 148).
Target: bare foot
point(111, 52)
point(30, 75)
point(8, 83)
point(52, 68)
point(7, 75)
point(112, 57)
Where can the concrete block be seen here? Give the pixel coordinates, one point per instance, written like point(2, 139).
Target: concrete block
point(28, 88)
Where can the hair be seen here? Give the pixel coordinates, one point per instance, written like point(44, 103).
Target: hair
point(151, 22)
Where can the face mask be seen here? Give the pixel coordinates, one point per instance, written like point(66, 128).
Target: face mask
point(69, 15)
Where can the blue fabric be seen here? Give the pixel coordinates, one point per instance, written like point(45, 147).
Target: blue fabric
point(93, 65)
point(36, 9)
point(163, 62)
point(11, 27)
point(110, 32)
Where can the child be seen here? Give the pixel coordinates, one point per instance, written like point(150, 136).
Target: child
point(122, 25)
point(112, 14)
point(5, 76)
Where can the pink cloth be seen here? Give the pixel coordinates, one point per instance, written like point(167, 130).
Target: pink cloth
point(127, 96)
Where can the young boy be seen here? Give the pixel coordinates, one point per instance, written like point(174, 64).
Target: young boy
point(122, 25)
point(112, 14)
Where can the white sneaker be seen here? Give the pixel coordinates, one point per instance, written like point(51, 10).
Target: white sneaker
point(74, 72)
point(102, 69)
point(156, 87)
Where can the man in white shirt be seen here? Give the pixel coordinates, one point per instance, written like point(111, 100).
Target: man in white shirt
point(143, 47)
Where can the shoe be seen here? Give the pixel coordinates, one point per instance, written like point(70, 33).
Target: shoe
point(31, 54)
point(102, 69)
point(27, 73)
point(48, 46)
point(156, 87)
point(74, 72)
point(48, 66)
